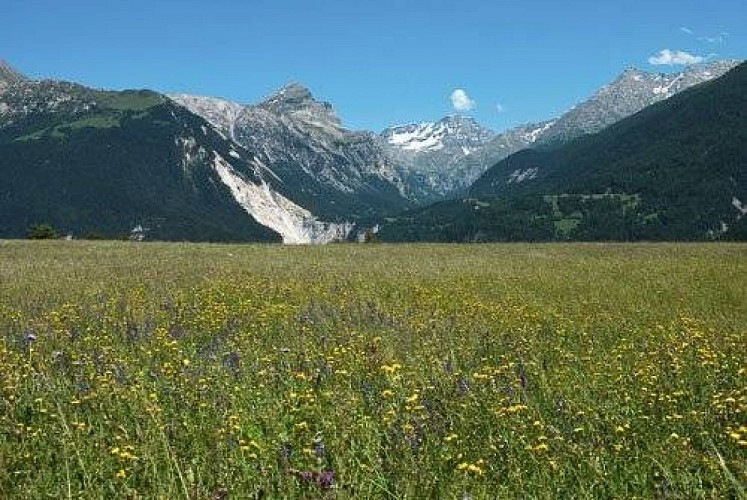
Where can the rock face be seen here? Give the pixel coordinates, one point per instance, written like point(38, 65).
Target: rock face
point(8, 75)
point(220, 113)
point(337, 174)
point(437, 158)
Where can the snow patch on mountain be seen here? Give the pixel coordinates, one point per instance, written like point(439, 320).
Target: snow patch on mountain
point(437, 158)
point(295, 224)
point(420, 137)
point(456, 132)
point(667, 86)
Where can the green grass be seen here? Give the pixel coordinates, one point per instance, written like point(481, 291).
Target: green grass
point(95, 121)
point(431, 371)
point(60, 131)
point(129, 100)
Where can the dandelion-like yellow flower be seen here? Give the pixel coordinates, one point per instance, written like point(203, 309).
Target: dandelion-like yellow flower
point(475, 469)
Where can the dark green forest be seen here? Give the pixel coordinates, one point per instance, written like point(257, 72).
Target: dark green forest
point(104, 171)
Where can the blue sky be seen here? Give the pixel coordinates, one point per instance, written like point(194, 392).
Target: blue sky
point(379, 62)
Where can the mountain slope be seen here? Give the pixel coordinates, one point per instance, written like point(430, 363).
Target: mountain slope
point(336, 173)
point(628, 94)
point(110, 163)
point(9, 76)
point(444, 158)
point(435, 158)
point(676, 170)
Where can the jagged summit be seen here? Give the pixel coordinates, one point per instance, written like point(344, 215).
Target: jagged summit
point(631, 72)
point(452, 130)
point(460, 120)
point(291, 97)
point(292, 92)
point(629, 93)
point(703, 70)
point(295, 102)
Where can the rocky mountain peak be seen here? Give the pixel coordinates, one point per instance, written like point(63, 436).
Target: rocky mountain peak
point(628, 94)
point(461, 120)
point(459, 125)
point(631, 73)
point(698, 73)
point(292, 96)
point(452, 131)
point(295, 102)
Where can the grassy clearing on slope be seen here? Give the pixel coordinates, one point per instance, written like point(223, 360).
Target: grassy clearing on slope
point(504, 371)
point(129, 100)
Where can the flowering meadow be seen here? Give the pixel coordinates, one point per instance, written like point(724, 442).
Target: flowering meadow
point(148, 370)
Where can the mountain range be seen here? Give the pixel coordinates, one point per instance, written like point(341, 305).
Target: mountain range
point(676, 170)
point(442, 159)
point(186, 167)
point(339, 174)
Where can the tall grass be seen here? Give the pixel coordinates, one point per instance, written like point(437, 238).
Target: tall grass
point(495, 371)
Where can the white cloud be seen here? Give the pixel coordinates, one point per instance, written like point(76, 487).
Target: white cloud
point(668, 57)
point(499, 107)
point(461, 101)
point(720, 38)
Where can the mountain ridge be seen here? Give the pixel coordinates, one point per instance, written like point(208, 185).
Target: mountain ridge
point(677, 170)
point(336, 173)
point(439, 171)
point(50, 127)
point(288, 162)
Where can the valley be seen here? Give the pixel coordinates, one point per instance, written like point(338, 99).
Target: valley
point(286, 169)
